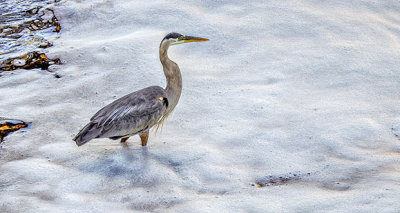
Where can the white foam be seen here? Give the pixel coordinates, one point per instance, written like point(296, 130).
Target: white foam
point(281, 89)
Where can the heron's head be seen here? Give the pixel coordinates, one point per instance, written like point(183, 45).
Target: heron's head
point(176, 38)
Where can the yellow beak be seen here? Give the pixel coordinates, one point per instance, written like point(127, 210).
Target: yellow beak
point(193, 39)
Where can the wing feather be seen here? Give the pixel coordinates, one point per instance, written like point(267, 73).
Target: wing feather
point(128, 115)
point(132, 113)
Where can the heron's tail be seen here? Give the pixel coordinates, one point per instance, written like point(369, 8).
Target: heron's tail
point(86, 134)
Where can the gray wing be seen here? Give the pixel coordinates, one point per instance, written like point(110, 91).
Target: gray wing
point(128, 115)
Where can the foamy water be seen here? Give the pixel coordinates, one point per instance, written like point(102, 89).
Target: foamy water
point(24, 27)
point(290, 107)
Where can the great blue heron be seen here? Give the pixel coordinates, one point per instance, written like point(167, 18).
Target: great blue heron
point(137, 112)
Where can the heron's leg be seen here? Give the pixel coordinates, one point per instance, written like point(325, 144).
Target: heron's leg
point(144, 136)
point(123, 140)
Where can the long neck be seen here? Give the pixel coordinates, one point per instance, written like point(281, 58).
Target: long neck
point(173, 75)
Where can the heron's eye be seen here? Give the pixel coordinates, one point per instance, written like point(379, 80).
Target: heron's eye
point(180, 38)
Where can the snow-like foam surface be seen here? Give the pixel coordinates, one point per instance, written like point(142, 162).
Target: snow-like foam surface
point(303, 90)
